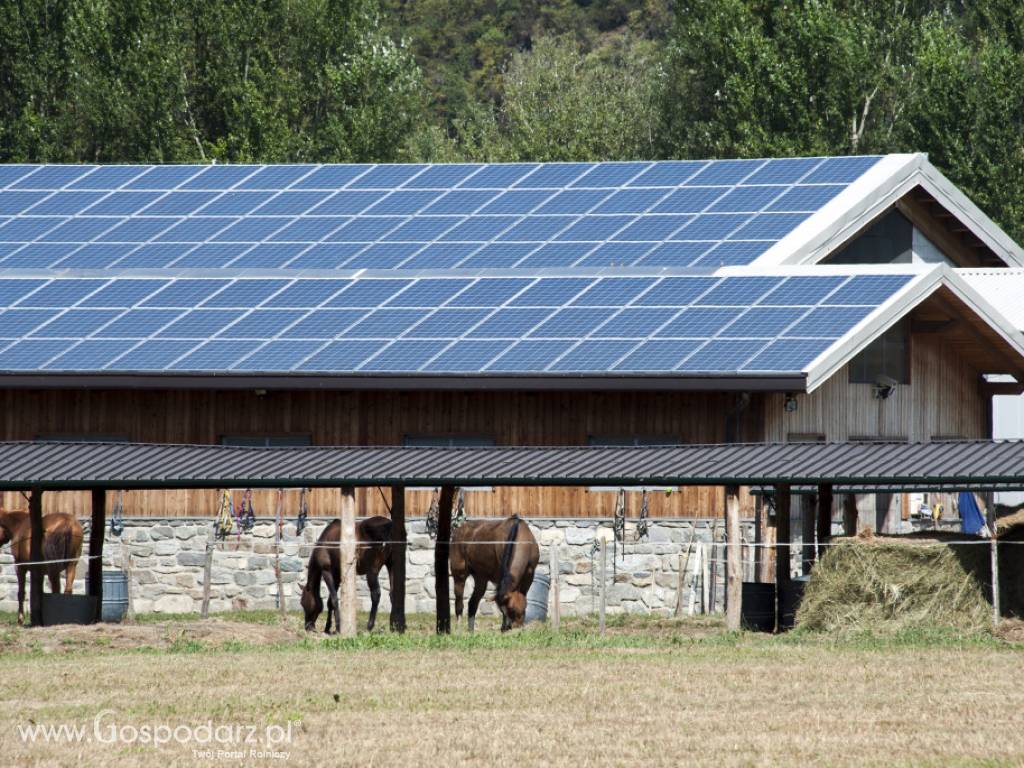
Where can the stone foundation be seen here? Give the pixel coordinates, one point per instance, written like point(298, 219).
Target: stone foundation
point(168, 556)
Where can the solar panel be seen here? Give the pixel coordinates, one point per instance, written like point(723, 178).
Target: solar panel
point(278, 356)
point(523, 202)
point(596, 356)
point(91, 353)
point(323, 324)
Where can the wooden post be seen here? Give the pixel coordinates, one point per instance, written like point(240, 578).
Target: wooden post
point(556, 602)
point(396, 568)
point(602, 576)
point(35, 511)
point(347, 542)
point(705, 606)
point(824, 519)
point(127, 560)
point(684, 561)
point(765, 540)
point(693, 581)
point(782, 564)
point(808, 525)
point(849, 515)
point(994, 560)
point(97, 529)
point(207, 568)
point(733, 560)
point(278, 540)
point(444, 537)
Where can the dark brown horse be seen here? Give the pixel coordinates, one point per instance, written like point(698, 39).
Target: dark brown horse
point(373, 552)
point(502, 551)
point(62, 543)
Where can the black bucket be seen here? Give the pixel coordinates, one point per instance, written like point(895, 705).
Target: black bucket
point(758, 612)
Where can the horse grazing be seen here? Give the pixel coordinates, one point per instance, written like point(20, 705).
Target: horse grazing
point(502, 551)
point(373, 551)
point(62, 542)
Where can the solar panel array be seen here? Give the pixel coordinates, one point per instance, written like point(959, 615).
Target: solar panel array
point(420, 269)
point(442, 325)
point(675, 213)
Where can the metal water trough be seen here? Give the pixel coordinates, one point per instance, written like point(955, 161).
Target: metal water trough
point(68, 609)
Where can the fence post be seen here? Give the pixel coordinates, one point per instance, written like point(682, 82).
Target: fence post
point(691, 602)
point(278, 541)
point(556, 603)
point(128, 579)
point(602, 576)
point(734, 560)
point(347, 543)
point(207, 567)
point(97, 531)
point(705, 591)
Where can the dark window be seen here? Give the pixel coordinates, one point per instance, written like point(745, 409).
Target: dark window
point(889, 240)
point(887, 356)
point(266, 441)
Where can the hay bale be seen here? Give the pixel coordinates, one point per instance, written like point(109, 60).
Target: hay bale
point(890, 584)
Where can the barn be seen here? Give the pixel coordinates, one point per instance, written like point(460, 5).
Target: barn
point(546, 304)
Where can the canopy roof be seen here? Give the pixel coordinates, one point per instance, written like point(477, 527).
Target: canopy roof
point(946, 465)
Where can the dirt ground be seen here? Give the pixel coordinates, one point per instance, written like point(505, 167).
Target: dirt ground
point(650, 693)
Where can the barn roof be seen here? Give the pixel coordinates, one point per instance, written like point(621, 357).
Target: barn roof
point(934, 465)
point(689, 274)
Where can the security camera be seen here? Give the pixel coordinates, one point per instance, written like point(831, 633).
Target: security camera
point(884, 387)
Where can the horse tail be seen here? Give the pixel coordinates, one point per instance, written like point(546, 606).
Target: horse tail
point(505, 580)
point(57, 546)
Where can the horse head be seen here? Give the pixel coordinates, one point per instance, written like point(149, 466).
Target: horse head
point(312, 606)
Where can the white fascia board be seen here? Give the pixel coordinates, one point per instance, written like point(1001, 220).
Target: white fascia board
point(845, 214)
point(908, 297)
point(970, 215)
point(871, 195)
point(874, 325)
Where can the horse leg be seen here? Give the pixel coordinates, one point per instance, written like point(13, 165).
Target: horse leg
point(332, 602)
point(69, 577)
point(373, 582)
point(21, 569)
point(460, 587)
point(53, 575)
point(479, 588)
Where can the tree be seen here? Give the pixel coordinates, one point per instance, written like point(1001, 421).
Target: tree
point(159, 80)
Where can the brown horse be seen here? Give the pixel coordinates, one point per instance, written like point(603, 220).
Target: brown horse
point(502, 551)
point(373, 552)
point(62, 542)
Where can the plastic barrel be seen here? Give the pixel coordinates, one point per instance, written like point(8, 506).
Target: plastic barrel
point(115, 596)
point(537, 598)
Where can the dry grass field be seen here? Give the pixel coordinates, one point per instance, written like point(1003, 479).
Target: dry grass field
point(651, 693)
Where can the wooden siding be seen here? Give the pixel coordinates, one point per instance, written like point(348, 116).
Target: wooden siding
point(384, 418)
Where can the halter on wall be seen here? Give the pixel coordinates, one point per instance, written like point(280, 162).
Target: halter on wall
point(117, 516)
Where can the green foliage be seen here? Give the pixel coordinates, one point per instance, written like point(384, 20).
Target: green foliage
point(164, 81)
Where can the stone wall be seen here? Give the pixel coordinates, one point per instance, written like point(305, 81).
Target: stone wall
point(168, 558)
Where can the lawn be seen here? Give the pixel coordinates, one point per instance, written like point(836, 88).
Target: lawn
point(651, 692)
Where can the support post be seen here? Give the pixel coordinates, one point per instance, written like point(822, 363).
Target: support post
point(35, 511)
point(207, 568)
point(556, 601)
point(782, 564)
point(849, 515)
point(97, 529)
point(127, 558)
point(602, 576)
point(994, 560)
point(733, 560)
point(347, 541)
point(808, 524)
point(705, 581)
point(396, 567)
point(765, 540)
point(444, 537)
point(278, 539)
point(824, 519)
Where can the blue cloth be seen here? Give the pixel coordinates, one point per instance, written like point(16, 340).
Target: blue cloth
point(971, 519)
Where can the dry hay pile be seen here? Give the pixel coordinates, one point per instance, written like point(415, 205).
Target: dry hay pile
point(890, 584)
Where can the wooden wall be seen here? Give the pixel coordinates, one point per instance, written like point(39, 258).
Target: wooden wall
point(383, 418)
point(942, 400)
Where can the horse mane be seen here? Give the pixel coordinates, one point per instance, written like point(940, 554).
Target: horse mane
point(505, 579)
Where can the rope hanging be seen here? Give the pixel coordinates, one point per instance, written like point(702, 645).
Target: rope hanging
point(224, 522)
point(459, 517)
point(432, 515)
point(117, 517)
point(618, 529)
point(642, 523)
point(300, 521)
point(245, 514)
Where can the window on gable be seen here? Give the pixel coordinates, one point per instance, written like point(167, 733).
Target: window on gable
point(887, 356)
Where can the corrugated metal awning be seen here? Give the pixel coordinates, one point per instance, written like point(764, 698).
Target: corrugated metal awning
point(946, 465)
